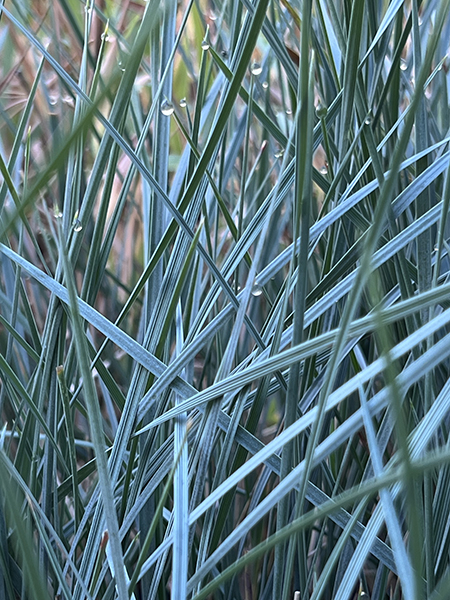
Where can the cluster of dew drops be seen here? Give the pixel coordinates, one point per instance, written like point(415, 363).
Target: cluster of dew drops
point(167, 108)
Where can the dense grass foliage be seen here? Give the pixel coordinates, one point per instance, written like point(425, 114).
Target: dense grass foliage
point(224, 292)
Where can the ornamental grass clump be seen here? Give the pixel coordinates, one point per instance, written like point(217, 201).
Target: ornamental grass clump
point(224, 300)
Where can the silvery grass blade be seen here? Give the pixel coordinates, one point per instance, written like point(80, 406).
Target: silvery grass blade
point(110, 515)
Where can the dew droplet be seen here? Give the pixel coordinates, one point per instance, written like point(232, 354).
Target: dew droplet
point(212, 16)
point(104, 36)
point(321, 111)
point(256, 69)
point(166, 108)
point(403, 65)
point(224, 54)
point(324, 170)
point(121, 66)
point(265, 84)
point(183, 103)
point(53, 102)
point(289, 111)
point(77, 226)
point(68, 100)
point(368, 119)
point(205, 45)
point(57, 212)
point(257, 290)
point(279, 154)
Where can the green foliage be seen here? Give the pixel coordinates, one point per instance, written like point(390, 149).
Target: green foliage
point(225, 318)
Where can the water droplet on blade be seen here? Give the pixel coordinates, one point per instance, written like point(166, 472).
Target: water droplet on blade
point(321, 111)
point(77, 226)
point(166, 108)
point(68, 100)
point(205, 45)
point(257, 290)
point(183, 103)
point(256, 69)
